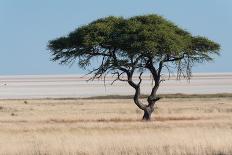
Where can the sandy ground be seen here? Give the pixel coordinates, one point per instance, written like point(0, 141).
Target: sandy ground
point(64, 86)
point(186, 126)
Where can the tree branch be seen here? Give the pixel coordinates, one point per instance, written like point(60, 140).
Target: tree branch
point(140, 78)
point(118, 77)
point(137, 90)
point(168, 59)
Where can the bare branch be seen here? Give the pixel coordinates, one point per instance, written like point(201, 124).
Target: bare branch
point(140, 78)
point(118, 77)
point(169, 71)
point(173, 58)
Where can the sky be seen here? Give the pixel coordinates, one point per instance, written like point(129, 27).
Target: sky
point(26, 26)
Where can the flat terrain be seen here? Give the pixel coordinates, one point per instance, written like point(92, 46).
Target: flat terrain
point(66, 86)
point(112, 126)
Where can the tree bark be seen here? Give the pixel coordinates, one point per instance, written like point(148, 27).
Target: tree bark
point(147, 113)
point(150, 107)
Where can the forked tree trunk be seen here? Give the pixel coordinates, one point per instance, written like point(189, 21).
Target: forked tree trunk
point(147, 113)
point(150, 107)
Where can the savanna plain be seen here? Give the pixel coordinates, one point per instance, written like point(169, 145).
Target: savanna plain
point(188, 126)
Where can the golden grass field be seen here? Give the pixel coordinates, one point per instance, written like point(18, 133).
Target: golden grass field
point(187, 126)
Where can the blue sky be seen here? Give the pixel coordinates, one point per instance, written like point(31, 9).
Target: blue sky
point(27, 25)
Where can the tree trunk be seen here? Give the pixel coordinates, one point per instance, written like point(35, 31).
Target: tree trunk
point(150, 107)
point(147, 113)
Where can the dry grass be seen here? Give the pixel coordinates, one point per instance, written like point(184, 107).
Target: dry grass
point(112, 126)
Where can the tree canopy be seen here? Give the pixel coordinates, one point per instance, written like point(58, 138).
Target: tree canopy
point(136, 44)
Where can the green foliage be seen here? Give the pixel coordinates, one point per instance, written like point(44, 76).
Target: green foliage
point(130, 44)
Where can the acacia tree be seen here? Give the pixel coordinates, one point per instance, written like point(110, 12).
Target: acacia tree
point(127, 47)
